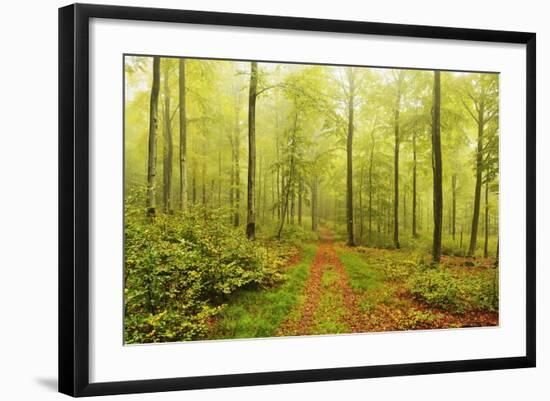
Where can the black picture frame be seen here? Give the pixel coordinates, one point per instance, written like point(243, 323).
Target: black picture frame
point(74, 198)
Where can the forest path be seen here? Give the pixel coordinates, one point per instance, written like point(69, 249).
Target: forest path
point(328, 304)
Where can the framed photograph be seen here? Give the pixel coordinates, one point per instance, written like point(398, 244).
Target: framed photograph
point(250, 199)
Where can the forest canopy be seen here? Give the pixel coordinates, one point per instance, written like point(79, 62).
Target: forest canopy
point(234, 169)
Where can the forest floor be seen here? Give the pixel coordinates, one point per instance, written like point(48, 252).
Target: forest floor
point(333, 289)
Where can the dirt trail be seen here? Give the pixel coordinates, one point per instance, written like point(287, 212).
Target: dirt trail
point(329, 304)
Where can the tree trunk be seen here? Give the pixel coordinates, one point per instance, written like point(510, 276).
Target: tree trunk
point(232, 177)
point(152, 149)
point(168, 146)
point(486, 245)
point(289, 181)
point(203, 181)
point(453, 217)
point(194, 184)
point(349, 180)
point(396, 173)
point(314, 206)
point(259, 195)
point(437, 169)
point(404, 209)
point(300, 195)
point(183, 137)
point(479, 168)
point(219, 178)
point(237, 216)
point(361, 213)
point(370, 191)
point(414, 232)
point(251, 212)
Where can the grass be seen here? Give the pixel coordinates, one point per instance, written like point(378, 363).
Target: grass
point(253, 313)
point(328, 318)
point(390, 284)
point(363, 275)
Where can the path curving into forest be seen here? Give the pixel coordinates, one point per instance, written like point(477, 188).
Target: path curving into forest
point(328, 304)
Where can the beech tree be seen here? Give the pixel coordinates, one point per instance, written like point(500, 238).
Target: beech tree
point(152, 149)
point(437, 168)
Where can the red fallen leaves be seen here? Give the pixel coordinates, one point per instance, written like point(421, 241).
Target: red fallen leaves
point(409, 315)
point(301, 323)
point(312, 293)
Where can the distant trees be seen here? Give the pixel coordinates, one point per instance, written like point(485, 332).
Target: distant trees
point(360, 150)
point(481, 104)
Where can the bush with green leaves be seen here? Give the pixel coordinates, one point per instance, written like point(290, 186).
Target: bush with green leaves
point(180, 268)
point(440, 288)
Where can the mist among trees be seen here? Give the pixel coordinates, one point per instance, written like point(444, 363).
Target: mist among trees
point(266, 199)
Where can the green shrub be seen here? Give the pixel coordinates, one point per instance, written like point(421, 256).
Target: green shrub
point(439, 288)
point(180, 268)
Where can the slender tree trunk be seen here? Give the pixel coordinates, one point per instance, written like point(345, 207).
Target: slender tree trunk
point(278, 170)
point(437, 169)
point(232, 178)
point(152, 150)
point(264, 200)
point(404, 209)
point(479, 168)
point(251, 212)
point(361, 212)
point(292, 204)
point(396, 172)
point(237, 215)
point(414, 231)
point(486, 244)
point(219, 178)
point(314, 206)
point(300, 195)
point(498, 252)
point(259, 195)
point(289, 181)
point(349, 180)
point(203, 182)
point(370, 191)
point(168, 146)
point(183, 137)
point(454, 207)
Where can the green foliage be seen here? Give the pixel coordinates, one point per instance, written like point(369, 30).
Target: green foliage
point(180, 268)
point(251, 313)
point(440, 288)
point(363, 276)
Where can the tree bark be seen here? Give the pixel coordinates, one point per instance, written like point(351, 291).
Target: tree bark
point(361, 212)
point(414, 228)
point(152, 148)
point(437, 169)
point(349, 180)
point(183, 137)
point(453, 217)
point(237, 215)
point(486, 244)
point(168, 146)
point(370, 190)
point(251, 212)
point(289, 182)
point(396, 166)
point(300, 195)
point(314, 206)
point(479, 168)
